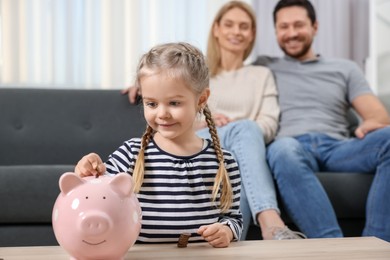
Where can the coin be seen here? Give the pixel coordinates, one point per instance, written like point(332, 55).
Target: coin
point(183, 240)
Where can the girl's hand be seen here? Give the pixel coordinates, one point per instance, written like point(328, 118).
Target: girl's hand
point(217, 234)
point(89, 165)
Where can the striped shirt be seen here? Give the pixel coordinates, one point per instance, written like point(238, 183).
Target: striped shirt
point(175, 196)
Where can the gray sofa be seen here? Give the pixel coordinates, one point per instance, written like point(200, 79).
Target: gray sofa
point(44, 132)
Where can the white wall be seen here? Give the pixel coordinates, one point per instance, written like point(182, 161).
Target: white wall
point(380, 45)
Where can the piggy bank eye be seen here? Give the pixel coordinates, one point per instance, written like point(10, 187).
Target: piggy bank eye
point(86, 197)
point(104, 197)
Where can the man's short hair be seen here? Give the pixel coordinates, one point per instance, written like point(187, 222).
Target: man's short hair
point(301, 3)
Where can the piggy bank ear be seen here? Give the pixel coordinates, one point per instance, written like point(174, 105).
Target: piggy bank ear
point(69, 181)
point(123, 184)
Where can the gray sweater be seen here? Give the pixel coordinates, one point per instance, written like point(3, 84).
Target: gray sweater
point(315, 95)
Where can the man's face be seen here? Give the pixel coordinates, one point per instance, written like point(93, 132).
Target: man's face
point(295, 32)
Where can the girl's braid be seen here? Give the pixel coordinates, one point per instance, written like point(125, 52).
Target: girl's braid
point(213, 133)
point(138, 173)
point(222, 176)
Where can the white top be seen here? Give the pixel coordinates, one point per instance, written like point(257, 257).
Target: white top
point(247, 93)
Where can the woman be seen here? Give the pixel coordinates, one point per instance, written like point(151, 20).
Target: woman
point(244, 104)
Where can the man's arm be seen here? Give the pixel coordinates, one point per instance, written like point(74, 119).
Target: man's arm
point(373, 113)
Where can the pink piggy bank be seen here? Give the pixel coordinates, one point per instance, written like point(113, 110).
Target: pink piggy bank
point(96, 218)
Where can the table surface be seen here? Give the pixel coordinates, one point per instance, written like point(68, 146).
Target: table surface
point(327, 248)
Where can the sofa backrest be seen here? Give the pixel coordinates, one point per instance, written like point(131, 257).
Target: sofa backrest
point(57, 126)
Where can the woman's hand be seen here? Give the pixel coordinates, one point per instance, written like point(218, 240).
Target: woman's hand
point(217, 234)
point(90, 164)
point(132, 93)
point(221, 120)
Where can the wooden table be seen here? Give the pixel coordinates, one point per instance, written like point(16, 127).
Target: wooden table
point(331, 249)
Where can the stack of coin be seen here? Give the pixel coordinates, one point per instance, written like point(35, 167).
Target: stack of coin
point(183, 240)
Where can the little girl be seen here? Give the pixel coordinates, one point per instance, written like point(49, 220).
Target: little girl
point(184, 184)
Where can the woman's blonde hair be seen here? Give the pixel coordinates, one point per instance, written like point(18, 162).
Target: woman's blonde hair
point(186, 62)
point(213, 48)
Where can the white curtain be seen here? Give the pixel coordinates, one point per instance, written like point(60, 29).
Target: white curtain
point(91, 43)
point(97, 43)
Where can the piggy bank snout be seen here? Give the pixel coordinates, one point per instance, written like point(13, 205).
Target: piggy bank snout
point(95, 223)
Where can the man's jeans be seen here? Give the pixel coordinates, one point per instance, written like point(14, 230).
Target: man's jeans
point(294, 161)
point(244, 139)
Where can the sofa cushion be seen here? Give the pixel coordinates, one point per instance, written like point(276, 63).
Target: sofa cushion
point(52, 126)
point(28, 192)
point(347, 191)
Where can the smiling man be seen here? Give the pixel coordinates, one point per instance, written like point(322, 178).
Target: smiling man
point(315, 94)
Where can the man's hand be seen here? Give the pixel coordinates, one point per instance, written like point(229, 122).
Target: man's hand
point(366, 127)
point(373, 113)
point(217, 234)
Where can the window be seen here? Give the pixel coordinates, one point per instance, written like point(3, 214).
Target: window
point(92, 43)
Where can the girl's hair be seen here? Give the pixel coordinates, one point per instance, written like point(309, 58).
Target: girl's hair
point(186, 62)
point(213, 48)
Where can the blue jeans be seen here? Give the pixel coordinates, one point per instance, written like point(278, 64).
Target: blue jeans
point(244, 139)
point(294, 161)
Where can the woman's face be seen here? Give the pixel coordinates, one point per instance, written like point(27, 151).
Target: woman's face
point(234, 32)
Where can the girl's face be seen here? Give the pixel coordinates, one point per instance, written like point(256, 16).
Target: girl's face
point(234, 31)
point(170, 107)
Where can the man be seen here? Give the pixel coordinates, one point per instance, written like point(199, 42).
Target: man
point(314, 95)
